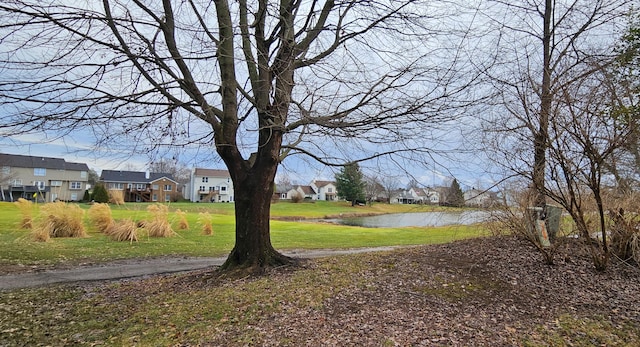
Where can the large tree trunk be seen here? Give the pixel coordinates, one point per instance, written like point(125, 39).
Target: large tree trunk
point(253, 247)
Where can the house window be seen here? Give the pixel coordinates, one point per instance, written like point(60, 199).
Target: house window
point(17, 183)
point(56, 183)
point(74, 196)
point(39, 184)
point(205, 179)
point(154, 197)
point(202, 189)
point(223, 188)
point(140, 186)
point(212, 189)
point(115, 186)
point(167, 198)
point(39, 171)
point(329, 189)
point(6, 170)
point(75, 185)
point(168, 187)
point(155, 187)
point(83, 174)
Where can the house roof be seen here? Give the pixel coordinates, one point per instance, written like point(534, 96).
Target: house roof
point(211, 173)
point(133, 176)
point(308, 190)
point(321, 184)
point(26, 161)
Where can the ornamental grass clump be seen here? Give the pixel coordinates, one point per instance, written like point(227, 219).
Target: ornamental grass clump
point(59, 219)
point(116, 196)
point(159, 225)
point(26, 210)
point(183, 223)
point(100, 217)
point(124, 230)
point(206, 220)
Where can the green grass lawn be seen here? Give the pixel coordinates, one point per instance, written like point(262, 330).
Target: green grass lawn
point(289, 230)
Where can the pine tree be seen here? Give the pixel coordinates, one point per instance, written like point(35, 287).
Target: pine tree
point(350, 183)
point(455, 197)
point(100, 194)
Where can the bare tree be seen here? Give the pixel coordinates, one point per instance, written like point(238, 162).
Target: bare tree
point(539, 44)
point(583, 138)
point(260, 80)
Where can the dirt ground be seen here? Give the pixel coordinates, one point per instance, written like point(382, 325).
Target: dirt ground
point(479, 292)
point(493, 291)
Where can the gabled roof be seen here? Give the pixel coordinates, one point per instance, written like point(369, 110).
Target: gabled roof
point(26, 161)
point(211, 173)
point(321, 184)
point(133, 176)
point(307, 190)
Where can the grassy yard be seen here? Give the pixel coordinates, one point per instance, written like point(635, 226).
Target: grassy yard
point(291, 229)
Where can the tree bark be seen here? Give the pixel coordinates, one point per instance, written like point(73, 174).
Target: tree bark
point(253, 247)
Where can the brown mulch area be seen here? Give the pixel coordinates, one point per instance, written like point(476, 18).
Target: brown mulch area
point(479, 292)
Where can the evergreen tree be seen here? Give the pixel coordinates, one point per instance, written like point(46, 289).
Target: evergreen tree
point(455, 197)
point(350, 183)
point(87, 196)
point(100, 194)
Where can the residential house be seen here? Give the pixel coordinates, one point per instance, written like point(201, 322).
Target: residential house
point(305, 192)
point(417, 196)
point(141, 186)
point(41, 178)
point(210, 185)
point(325, 190)
point(480, 198)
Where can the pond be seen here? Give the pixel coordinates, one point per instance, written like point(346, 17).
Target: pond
point(421, 219)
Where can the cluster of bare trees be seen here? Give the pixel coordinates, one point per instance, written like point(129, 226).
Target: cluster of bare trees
point(336, 81)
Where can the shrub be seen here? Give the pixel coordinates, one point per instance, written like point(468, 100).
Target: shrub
point(100, 194)
point(100, 216)
point(159, 225)
point(116, 196)
point(206, 220)
point(26, 210)
point(87, 196)
point(183, 224)
point(59, 219)
point(124, 230)
point(296, 197)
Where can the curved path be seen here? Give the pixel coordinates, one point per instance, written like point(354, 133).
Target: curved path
point(144, 267)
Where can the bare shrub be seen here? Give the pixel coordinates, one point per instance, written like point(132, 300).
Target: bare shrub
point(159, 225)
point(59, 219)
point(124, 230)
point(297, 197)
point(100, 216)
point(183, 223)
point(206, 220)
point(26, 210)
point(116, 196)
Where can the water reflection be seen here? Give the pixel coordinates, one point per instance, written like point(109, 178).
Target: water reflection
point(422, 219)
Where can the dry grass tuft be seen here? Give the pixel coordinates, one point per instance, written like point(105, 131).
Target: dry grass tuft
point(26, 209)
point(124, 230)
point(159, 225)
point(206, 220)
point(116, 196)
point(59, 219)
point(183, 224)
point(100, 216)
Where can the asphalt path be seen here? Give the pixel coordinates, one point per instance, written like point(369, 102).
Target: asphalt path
point(143, 267)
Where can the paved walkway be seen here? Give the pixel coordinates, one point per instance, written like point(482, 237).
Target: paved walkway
point(139, 268)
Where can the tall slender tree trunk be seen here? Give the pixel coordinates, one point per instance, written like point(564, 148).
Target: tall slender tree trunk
point(541, 138)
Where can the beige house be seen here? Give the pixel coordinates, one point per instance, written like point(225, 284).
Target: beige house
point(326, 190)
point(42, 179)
point(141, 186)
